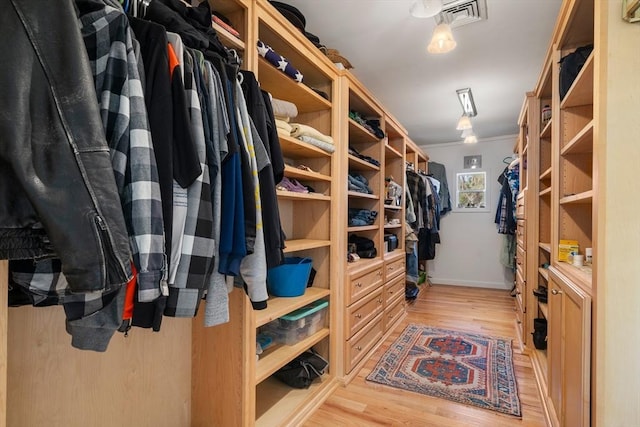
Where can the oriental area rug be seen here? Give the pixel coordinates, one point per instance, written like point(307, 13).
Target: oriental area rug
point(463, 367)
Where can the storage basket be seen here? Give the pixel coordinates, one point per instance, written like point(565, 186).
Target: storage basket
point(290, 278)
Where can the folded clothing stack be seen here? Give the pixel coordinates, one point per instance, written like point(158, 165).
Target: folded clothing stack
point(284, 110)
point(312, 136)
point(360, 217)
point(368, 159)
point(372, 125)
point(357, 182)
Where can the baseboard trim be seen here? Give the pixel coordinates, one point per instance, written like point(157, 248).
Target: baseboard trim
point(470, 283)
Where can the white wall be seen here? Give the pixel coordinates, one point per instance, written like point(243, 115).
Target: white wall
point(469, 254)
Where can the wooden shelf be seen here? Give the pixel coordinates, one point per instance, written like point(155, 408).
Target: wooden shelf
point(390, 226)
point(545, 246)
point(546, 131)
point(580, 198)
point(546, 175)
point(359, 134)
point(277, 402)
point(284, 87)
point(581, 143)
point(357, 164)
point(390, 151)
point(582, 275)
point(362, 228)
point(393, 208)
point(297, 149)
point(296, 245)
point(544, 309)
point(228, 39)
point(581, 91)
point(545, 192)
point(358, 195)
point(279, 355)
point(294, 172)
point(292, 195)
point(544, 273)
point(278, 307)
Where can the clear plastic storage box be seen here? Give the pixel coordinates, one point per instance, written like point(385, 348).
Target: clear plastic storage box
point(299, 324)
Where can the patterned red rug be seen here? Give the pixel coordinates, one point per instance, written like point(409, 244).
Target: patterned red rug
point(463, 367)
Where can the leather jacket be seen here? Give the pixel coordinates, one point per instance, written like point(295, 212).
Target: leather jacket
point(58, 196)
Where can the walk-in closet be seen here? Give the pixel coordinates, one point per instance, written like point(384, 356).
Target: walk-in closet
point(300, 213)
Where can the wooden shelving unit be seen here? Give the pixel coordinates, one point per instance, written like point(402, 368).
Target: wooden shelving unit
point(561, 205)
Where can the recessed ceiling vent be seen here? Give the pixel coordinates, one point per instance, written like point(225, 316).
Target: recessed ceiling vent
point(462, 12)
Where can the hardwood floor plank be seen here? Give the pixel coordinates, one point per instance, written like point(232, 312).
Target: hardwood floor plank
point(485, 311)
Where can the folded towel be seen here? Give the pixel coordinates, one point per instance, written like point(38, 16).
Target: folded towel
point(329, 148)
point(281, 124)
point(299, 129)
point(284, 108)
point(283, 118)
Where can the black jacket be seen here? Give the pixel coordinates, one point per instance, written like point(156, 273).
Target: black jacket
point(58, 196)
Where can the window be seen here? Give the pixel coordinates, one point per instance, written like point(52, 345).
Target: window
point(471, 191)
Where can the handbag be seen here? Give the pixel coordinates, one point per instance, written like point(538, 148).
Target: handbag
point(301, 371)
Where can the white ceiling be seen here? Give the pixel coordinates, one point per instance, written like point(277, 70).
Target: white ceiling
point(499, 59)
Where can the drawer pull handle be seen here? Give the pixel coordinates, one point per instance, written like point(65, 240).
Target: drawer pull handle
point(358, 348)
point(380, 301)
point(359, 316)
point(390, 268)
point(555, 291)
point(359, 285)
point(379, 273)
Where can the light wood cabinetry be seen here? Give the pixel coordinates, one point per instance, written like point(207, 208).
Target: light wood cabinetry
point(256, 397)
point(560, 205)
point(569, 352)
point(369, 310)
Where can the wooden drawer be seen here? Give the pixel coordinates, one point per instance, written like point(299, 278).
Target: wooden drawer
point(363, 284)
point(361, 313)
point(394, 312)
point(393, 268)
point(520, 321)
point(359, 345)
point(521, 234)
point(521, 290)
point(521, 260)
point(392, 289)
point(520, 212)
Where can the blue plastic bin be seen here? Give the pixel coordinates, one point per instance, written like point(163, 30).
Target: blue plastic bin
point(290, 278)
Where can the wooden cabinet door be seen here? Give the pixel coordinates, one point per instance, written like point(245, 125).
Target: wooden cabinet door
point(569, 352)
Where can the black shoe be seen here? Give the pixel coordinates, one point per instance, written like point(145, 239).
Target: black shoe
point(541, 293)
point(540, 333)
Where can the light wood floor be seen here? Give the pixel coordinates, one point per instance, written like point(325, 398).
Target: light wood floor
point(362, 403)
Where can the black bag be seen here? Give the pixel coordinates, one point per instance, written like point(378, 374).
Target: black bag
point(365, 248)
point(301, 371)
point(570, 66)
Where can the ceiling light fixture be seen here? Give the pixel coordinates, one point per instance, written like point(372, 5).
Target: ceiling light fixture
point(471, 139)
point(464, 123)
point(425, 8)
point(466, 133)
point(442, 39)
